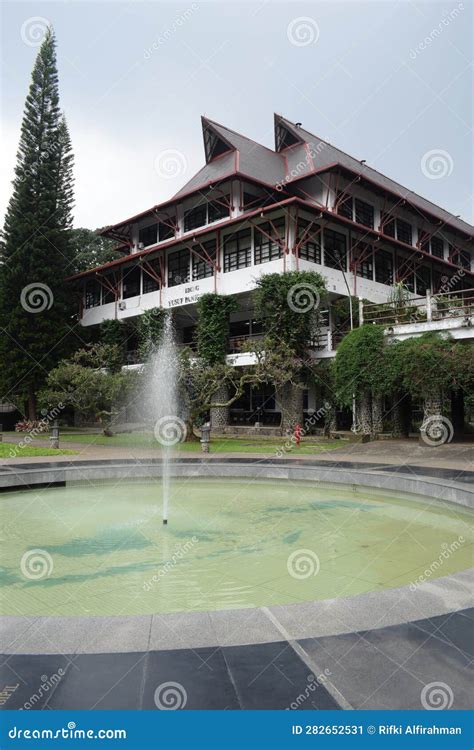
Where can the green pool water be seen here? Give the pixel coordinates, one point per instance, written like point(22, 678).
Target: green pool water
point(102, 549)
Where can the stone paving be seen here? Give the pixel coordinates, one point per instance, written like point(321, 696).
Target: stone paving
point(391, 452)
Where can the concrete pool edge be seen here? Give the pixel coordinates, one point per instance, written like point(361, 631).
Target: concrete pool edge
point(132, 633)
point(446, 485)
point(235, 627)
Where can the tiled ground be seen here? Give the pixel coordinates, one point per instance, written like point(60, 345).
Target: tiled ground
point(372, 669)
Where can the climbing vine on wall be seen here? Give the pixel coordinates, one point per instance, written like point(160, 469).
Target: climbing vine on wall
point(213, 326)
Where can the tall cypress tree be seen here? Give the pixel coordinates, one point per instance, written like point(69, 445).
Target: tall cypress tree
point(35, 251)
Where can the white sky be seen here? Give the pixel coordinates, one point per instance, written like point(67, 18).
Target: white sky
point(368, 82)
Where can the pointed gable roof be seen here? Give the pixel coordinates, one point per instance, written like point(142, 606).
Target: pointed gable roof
point(284, 135)
point(313, 154)
point(237, 155)
point(215, 144)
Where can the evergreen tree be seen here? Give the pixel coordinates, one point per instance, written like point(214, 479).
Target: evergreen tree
point(35, 251)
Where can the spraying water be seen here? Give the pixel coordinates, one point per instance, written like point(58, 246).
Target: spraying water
point(162, 402)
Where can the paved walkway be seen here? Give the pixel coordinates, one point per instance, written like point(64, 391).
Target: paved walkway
point(391, 452)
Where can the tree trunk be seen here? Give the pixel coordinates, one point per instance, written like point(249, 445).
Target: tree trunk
point(190, 436)
point(364, 413)
point(31, 405)
point(220, 414)
point(377, 415)
point(290, 401)
point(330, 421)
point(435, 428)
point(432, 405)
point(398, 420)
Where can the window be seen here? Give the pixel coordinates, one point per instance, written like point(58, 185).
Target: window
point(218, 210)
point(178, 267)
point(387, 225)
point(363, 255)
point(334, 249)
point(437, 247)
point(150, 284)
point(195, 217)
point(206, 213)
point(423, 280)
point(92, 294)
point(166, 231)
point(364, 213)
point(344, 205)
point(250, 200)
point(237, 250)
point(404, 232)
point(459, 257)
point(131, 282)
point(202, 269)
point(383, 267)
point(148, 235)
point(311, 247)
point(267, 249)
point(107, 294)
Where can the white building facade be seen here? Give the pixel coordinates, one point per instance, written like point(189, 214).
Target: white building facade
point(305, 205)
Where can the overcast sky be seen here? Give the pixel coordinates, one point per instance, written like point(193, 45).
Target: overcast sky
point(389, 82)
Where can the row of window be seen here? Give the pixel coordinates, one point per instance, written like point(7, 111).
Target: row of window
point(348, 206)
point(269, 240)
point(361, 212)
point(205, 213)
point(355, 209)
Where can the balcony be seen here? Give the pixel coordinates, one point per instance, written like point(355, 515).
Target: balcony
point(447, 312)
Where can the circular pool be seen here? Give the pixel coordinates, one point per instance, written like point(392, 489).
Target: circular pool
point(101, 549)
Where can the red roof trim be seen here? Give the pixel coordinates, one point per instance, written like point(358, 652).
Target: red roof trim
point(179, 240)
point(287, 202)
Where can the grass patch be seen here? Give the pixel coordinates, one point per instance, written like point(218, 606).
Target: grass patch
point(12, 450)
point(247, 444)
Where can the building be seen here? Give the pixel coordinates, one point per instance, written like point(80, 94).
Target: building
point(304, 205)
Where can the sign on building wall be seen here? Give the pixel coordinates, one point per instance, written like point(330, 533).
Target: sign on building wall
point(191, 294)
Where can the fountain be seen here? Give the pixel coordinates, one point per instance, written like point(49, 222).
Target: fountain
point(161, 402)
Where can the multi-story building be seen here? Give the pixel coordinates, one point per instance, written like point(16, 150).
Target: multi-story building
point(304, 205)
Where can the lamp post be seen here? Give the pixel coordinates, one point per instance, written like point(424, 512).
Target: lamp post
point(205, 437)
point(55, 434)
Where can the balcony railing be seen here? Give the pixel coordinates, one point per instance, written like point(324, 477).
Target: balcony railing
point(431, 307)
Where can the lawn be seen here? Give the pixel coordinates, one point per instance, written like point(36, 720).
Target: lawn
point(13, 450)
point(248, 444)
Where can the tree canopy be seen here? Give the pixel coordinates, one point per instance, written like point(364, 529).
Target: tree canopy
point(35, 312)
